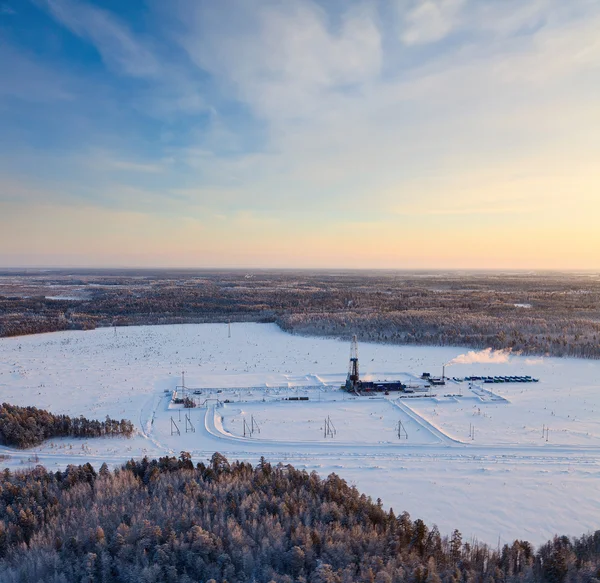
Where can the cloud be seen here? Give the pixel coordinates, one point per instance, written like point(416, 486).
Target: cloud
point(118, 47)
point(507, 17)
point(106, 162)
point(430, 20)
point(335, 128)
point(281, 58)
point(136, 166)
point(323, 115)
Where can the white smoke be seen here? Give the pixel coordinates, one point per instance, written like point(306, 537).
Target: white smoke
point(487, 356)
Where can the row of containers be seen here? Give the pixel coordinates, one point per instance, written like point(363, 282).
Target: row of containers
point(525, 379)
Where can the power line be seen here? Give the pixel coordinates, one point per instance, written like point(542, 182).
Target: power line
point(189, 427)
point(402, 433)
point(329, 428)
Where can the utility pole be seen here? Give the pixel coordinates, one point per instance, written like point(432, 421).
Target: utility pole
point(329, 429)
point(189, 426)
point(402, 434)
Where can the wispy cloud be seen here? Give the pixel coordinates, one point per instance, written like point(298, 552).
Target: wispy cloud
point(137, 167)
point(281, 58)
point(429, 20)
point(105, 161)
point(113, 40)
point(173, 89)
point(321, 114)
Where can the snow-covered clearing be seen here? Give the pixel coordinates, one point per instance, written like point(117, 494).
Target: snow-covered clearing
point(356, 421)
point(473, 459)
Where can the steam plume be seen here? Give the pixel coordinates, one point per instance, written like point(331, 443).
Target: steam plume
point(486, 356)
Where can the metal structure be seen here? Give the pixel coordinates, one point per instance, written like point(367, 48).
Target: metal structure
point(402, 434)
point(189, 427)
point(358, 387)
point(174, 427)
point(250, 428)
point(353, 373)
point(218, 402)
point(329, 429)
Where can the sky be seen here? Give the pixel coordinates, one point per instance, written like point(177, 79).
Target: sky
point(394, 134)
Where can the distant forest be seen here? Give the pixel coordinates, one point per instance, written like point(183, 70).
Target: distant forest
point(169, 521)
point(550, 313)
point(24, 427)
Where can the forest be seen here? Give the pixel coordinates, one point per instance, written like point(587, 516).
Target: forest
point(169, 520)
point(534, 313)
point(24, 427)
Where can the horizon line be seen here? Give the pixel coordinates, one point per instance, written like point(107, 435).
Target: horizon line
point(314, 269)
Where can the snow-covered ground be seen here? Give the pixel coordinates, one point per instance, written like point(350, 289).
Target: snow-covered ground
point(467, 459)
point(352, 422)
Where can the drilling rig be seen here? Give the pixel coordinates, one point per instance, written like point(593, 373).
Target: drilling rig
point(352, 381)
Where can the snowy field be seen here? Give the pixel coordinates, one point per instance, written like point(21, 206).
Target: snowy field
point(468, 458)
point(359, 421)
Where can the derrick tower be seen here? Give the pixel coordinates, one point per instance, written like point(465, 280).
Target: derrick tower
point(353, 376)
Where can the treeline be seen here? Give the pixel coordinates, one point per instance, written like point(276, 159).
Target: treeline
point(24, 427)
point(22, 316)
point(554, 314)
point(167, 520)
point(459, 327)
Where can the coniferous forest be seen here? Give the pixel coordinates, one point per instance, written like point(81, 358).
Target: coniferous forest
point(24, 427)
point(533, 313)
point(169, 520)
